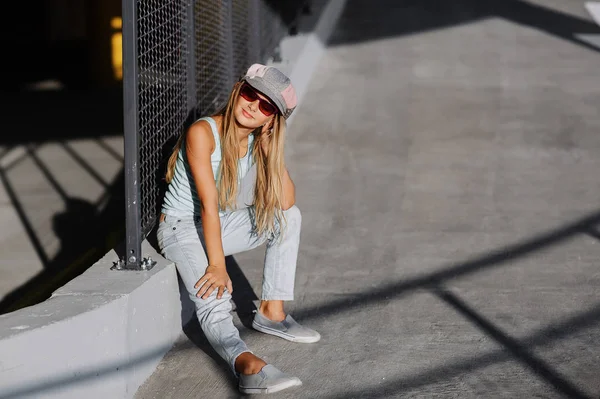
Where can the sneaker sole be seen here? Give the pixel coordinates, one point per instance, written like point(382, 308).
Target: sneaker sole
point(288, 337)
point(273, 389)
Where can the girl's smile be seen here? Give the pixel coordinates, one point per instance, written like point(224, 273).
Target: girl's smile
point(246, 114)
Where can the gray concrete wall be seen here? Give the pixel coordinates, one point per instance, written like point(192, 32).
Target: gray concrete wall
point(103, 333)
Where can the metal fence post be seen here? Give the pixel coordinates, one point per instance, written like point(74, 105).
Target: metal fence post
point(131, 137)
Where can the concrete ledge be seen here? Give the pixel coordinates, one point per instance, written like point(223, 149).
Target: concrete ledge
point(99, 336)
point(103, 333)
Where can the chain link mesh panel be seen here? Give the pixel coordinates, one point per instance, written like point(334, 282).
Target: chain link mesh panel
point(272, 29)
point(243, 33)
point(162, 98)
point(188, 55)
point(213, 65)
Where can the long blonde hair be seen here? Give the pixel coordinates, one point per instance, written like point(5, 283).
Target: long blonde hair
point(268, 190)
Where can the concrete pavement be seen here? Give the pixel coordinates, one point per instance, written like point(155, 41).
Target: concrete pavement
point(446, 163)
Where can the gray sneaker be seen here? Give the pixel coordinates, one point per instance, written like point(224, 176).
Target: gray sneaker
point(288, 329)
point(268, 380)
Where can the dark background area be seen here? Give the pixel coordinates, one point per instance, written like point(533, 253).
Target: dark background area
point(61, 84)
point(65, 40)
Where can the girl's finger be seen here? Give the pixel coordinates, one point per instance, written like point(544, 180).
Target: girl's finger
point(202, 280)
point(209, 291)
point(220, 292)
point(205, 286)
point(229, 286)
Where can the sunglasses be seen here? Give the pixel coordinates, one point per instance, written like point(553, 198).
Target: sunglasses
point(251, 95)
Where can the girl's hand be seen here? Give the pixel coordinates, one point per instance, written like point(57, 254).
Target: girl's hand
point(215, 277)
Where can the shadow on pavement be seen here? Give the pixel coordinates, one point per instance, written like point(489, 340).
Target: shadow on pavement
point(408, 17)
point(512, 349)
point(86, 229)
point(494, 259)
point(361, 21)
point(519, 351)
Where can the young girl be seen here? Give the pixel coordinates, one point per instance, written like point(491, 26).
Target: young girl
point(229, 191)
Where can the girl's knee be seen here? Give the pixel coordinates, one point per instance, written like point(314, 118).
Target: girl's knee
point(291, 223)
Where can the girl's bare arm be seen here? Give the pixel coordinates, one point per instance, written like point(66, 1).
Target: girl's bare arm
point(199, 146)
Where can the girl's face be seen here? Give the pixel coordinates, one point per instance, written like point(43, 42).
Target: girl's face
point(250, 114)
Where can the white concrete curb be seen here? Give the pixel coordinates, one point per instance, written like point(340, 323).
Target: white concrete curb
point(99, 336)
point(103, 333)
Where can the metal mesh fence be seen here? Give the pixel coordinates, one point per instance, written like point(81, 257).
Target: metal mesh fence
point(271, 27)
point(181, 58)
point(162, 102)
point(212, 59)
point(243, 26)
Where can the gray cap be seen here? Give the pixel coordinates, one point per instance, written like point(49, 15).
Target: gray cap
point(274, 84)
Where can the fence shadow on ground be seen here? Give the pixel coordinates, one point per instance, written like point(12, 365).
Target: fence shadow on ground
point(409, 17)
point(86, 229)
point(512, 349)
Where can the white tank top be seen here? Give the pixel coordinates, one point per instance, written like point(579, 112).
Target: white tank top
point(181, 198)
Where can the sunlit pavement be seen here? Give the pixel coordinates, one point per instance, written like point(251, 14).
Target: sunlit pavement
point(446, 162)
